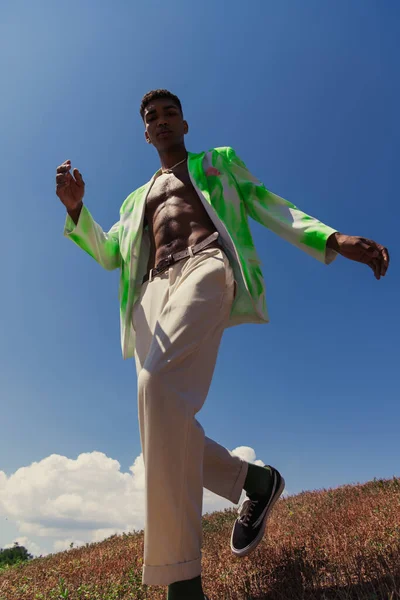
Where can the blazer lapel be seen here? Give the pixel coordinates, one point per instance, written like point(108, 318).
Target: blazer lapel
point(132, 221)
point(195, 165)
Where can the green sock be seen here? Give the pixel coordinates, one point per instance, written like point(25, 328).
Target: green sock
point(259, 480)
point(183, 590)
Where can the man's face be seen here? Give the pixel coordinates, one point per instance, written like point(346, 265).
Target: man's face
point(165, 127)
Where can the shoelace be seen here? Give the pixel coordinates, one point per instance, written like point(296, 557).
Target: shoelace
point(246, 511)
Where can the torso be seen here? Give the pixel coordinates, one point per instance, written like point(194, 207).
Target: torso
point(175, 216)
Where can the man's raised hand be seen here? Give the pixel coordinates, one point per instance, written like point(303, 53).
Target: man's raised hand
point(69, 188)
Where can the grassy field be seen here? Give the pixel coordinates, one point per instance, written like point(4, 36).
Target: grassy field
point(339, 543)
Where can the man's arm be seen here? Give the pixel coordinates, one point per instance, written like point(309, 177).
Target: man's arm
point(88, 235)
point(307, 233)
point(80, 225)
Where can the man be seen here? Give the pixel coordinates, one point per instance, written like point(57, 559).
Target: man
point(189, 270)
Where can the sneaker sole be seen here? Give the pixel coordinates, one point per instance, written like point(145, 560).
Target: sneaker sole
point(248, 549)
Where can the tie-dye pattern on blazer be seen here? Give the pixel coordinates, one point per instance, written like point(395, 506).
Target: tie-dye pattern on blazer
point(230, 194)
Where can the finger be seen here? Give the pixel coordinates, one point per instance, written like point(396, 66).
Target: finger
point(378, 270)
point(63, 168)
point(376, 267)
point(63, 179)
point(385, 263)
point(370, 249)
point(372, 265)
point(64, 175)
point(79, 178)
point(381, 262)
point(383, 259)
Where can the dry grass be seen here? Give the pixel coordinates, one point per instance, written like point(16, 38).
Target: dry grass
point(339, 544)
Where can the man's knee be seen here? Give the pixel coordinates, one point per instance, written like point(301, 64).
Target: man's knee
point(149, 380)
point(154, 383)
point(160, 391)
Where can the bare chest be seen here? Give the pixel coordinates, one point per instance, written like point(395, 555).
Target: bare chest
point(173, 193)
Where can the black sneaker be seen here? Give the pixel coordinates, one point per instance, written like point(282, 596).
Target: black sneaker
point(249, 528)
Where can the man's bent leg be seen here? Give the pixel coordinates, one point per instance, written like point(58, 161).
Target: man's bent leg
point(223, 473)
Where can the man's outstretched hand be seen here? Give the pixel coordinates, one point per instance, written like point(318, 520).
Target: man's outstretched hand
point(361, 250)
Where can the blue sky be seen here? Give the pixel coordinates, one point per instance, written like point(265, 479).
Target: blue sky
point(308, 95)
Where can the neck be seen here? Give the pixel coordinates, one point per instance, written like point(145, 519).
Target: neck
point(170, 157)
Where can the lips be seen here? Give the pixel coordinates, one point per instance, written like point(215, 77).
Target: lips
point(164, 133)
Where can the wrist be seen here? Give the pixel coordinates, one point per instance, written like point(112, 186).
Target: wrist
point(333, 241)
point(74, 212)
point(75, 207)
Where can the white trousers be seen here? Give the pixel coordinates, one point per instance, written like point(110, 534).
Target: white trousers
point(179, 321)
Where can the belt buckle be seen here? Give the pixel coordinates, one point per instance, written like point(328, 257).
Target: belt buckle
point(165, 262)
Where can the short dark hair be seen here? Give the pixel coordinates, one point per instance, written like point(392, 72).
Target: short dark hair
point(154, 95)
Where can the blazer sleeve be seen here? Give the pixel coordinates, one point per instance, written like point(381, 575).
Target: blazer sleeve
point(279, 215)
point(88, 235)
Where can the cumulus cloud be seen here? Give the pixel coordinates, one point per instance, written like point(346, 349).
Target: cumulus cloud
point(87, 499)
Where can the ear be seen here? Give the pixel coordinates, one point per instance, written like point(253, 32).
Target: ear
point(185, 127)
point(146, 135)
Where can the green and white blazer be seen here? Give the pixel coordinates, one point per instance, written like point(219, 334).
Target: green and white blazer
point(230, 194)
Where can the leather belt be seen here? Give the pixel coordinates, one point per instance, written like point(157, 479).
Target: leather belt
point(165, 263)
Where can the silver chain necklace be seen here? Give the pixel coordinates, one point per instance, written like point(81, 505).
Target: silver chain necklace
point(172, 168)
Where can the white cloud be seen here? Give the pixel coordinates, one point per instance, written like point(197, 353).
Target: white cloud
point(248, 454)
point(64, 501)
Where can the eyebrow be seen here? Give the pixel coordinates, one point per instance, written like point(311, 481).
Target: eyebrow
point(153, 110)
